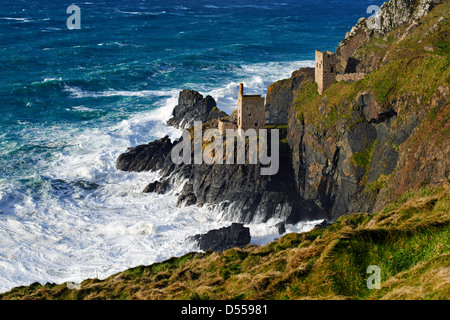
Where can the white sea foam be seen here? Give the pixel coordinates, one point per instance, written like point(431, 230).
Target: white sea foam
point(90, 220)
point(143, 13)
point(263, 233)
point(211, 6)
point(76, 92)
point(256, 78)
point(83, 109)
point(16, 19)
point(52, 79)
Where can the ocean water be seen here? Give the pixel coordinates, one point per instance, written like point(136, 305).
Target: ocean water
point(72, 100)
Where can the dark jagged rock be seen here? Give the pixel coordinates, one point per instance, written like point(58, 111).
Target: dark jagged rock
point(281, 226)
point(222, 239)
point(193, 107)
point(393, 14)
point(323, 225)
point(280, 95)
point(216, 114)
point(187, 196)
point(240, 191)
point(145, 157)
point(157, 187)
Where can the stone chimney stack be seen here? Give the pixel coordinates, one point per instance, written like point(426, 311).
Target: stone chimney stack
point(325, 70)
point(241, 89)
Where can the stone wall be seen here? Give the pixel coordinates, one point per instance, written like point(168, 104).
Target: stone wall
point(250, 110)
point(251, 113)
point(224, 125)
point(350, 77)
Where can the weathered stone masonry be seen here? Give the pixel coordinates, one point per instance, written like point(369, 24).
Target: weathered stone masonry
point(325, 70)
point(250, 110)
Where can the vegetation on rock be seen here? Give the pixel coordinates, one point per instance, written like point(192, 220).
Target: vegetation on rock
point(378, 145)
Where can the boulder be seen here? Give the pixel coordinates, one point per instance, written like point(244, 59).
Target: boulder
point(193, 107)
point(281, 227)
point(146, 157)
point(160, 187)
point(222, 239)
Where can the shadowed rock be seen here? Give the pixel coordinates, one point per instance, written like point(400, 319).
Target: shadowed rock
point(222, 239)
point(145, 157)
point(193, 107)
point(280, 95)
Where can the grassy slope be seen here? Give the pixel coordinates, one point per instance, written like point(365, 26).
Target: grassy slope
point(408, 240)
point(415, 64)
point(409, 71)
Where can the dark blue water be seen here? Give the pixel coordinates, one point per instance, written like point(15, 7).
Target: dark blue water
point(72, 100)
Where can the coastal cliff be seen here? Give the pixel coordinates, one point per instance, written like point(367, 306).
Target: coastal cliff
point(238, 191)
point(352, 149)
point(361, 145)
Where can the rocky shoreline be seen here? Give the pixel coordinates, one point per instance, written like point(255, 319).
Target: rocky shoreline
point(378, 145)
point(239, 191)
point(336, 157)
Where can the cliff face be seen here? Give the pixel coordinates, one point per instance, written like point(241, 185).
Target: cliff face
point(361, 145)
point(193, 107)
point(423, 159)
point(353, 149)
point(280, 95)
point(334, 167)
point(402, 15)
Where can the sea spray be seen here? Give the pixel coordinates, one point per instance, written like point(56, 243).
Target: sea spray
point(72, 101)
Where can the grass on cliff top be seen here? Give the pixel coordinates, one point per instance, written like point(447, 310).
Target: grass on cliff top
point(408, 241)
point(414, 63)
point(410, 73)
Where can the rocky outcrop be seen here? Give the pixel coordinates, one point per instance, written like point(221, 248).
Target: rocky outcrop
point(222, 239)
point(240, 192)
point(147, 157)
point(350, 152)
point(392, 14)
point(193, 107)
point(336, 170)
point(280, 95)
point(396, 13)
